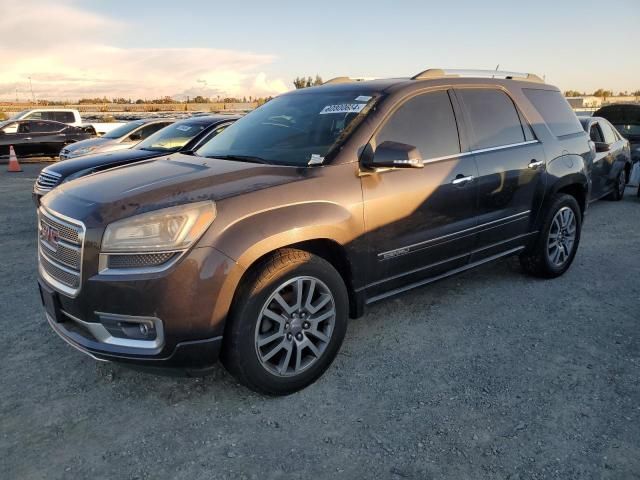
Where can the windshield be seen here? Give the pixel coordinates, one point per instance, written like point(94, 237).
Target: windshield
point(628, 129)
point(292, 129)
point(18, 115)
point(122, 130)
point(173, 137)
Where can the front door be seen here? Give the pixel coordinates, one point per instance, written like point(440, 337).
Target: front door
point(510, 164)
point(419, 222)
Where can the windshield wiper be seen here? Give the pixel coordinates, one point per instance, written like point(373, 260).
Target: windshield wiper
point(241, 158)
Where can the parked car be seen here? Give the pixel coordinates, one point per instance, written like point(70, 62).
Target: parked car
point(121, 138)
point(184, 135)
point(41, 138)
point(324, 200)
point(69, 116)
point(625, 117)
point(611, 165)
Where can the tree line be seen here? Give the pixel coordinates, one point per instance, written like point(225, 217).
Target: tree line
point(601, 92)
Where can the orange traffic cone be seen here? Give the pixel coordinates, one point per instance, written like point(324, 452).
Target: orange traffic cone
point(14, 166)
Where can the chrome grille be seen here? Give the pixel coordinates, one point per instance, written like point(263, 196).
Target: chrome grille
point(67, 254)
point(68, 233)
point(60, 251)
point(47, 180)
point(69, 278)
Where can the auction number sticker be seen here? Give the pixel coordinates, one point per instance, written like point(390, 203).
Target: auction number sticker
point(343, 108)
point(183, 128)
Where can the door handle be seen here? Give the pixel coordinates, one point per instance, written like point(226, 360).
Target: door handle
point(462, 180)
point(535, 163)
point(28, 138)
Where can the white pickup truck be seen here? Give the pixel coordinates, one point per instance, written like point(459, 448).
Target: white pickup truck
point(65, 115)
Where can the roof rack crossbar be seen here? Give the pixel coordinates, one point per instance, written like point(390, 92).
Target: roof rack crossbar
point(432, 73)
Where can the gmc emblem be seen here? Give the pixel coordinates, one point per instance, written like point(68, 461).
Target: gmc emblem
point(49, 235)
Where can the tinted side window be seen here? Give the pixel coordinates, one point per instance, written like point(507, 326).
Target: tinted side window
point(494, 118)
point(34, 116)
point(45, 127)
point(426, 122)
point(555, 110)
point(64, 117)
point(609, 136)
point(147, 130)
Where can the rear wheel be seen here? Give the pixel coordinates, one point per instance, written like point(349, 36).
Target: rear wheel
point(558, 241)
point(287, 323)
point(618, 189)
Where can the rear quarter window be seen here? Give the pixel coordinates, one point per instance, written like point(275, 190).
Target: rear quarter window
point(555, 111)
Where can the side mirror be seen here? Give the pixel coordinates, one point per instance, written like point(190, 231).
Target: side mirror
point(135, 137)
point(602, 147)
point(392, 155)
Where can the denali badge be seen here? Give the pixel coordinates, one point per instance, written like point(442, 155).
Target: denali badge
point(49, 235)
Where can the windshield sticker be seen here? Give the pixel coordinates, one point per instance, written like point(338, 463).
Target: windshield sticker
point(343, 108)
point(316, 159)
point(183, 128)
point(363, 98)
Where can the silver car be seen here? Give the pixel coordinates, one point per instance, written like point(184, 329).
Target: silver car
point(120, 138)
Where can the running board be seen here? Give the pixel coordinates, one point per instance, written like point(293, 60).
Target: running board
point(455, 271)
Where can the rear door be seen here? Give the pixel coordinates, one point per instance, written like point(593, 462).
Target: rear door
point(420, 221)
point(47, 138)
point(616, 153)
point(510, 163)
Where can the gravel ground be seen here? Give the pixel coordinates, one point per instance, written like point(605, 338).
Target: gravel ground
point(491, 374)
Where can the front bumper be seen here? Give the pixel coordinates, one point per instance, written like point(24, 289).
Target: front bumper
point(196, 354)
point(191, 300)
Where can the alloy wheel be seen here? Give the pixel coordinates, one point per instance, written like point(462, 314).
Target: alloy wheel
point(294, 326)
point(562, 236)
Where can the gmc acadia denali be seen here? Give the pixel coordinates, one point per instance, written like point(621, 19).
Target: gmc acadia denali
point(256, 248)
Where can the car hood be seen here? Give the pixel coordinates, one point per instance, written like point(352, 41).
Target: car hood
point(91, 142)
point(72, 166)
point(172, 180)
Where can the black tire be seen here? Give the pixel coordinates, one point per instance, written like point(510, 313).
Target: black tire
point(618, 189)
point(536, 261)
point(240, 352)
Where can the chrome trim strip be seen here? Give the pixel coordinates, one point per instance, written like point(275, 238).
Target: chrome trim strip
point(441, 276)
point(103, 262)
point(504, 147)
point(407, 249)
point(69, 342)
point(103, 336)
point(482, 150)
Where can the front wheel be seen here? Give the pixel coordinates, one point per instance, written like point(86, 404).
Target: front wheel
point(287, 323)
point(558, 240)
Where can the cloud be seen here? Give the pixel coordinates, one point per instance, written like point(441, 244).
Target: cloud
point(64, 63)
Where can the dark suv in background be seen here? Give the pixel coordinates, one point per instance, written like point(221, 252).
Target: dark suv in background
point(181, 136)
point(260, 246)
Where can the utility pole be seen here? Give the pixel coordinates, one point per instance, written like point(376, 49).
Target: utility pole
point(33, 97)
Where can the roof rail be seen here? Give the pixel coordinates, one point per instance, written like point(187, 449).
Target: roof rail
point(442, 73)
point(347, 80)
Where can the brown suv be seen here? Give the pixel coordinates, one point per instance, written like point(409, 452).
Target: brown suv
point(258, 246)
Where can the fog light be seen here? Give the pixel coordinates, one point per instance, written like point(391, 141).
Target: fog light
point(132, 328)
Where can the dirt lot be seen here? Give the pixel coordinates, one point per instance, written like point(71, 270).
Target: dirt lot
point(491, 374)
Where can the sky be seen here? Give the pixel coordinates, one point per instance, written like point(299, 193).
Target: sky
point(153, 48)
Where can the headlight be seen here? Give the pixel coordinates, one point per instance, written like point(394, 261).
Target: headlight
point(174, 228)
point(82, 151)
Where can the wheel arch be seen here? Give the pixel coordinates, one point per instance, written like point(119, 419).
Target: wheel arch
point(325, 248)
